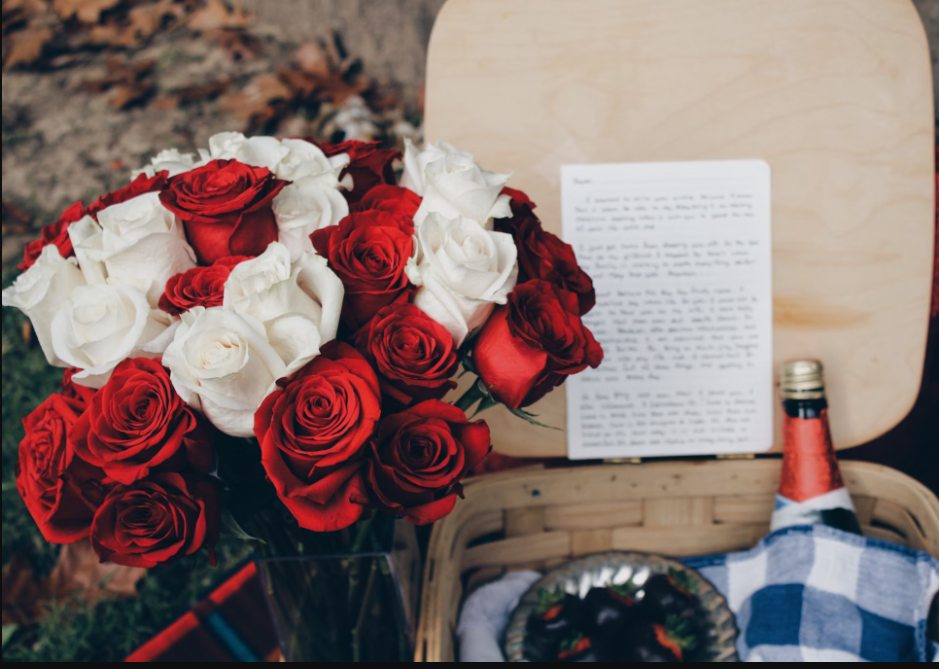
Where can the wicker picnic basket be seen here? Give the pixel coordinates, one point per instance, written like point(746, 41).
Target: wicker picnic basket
point(837, 97)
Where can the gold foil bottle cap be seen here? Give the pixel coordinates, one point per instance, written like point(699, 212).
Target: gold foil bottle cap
point(802, 379)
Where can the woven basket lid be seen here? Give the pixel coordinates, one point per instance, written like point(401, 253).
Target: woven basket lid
point(837, 97)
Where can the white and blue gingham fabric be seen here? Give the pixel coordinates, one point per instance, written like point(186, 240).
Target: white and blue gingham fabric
point(812, 594)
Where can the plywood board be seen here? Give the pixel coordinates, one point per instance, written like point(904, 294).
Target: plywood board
point(835, 94)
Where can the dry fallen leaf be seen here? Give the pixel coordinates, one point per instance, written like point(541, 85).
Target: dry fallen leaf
point(27, 46)
point(199, 92)
point(126, 95)
point(27, 332)
point(239, 44)
point(16, 13)
point(16, 221)
point(216, 14)
point(87, 11)
point(80, 570)
point(333, 88)
point(191, 94)
point(146, 20)
point(312, 59)
point(20, 591)
point(258, 102)
point(130, 82)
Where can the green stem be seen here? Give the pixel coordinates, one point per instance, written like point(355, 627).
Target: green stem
point(470, 397)
point(363, 611)
point(362, 535)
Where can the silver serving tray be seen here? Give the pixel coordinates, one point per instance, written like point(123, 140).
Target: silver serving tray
point(600, 571)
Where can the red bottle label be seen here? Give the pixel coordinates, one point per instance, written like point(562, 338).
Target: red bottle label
point(810, 466)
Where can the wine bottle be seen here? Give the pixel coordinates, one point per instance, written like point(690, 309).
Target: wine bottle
point(811, 489)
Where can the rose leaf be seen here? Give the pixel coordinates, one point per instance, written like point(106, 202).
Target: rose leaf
point(231, 527)
point(524, 415)
point(8, 632)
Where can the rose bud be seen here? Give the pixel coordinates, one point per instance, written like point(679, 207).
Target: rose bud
point(137, 424)
point(369, 166)
point(414, 355)
point(419, 458)
point(369, 252)
point(139, 186)
point(226, 208)
point(156, 521)
point(542, 255)
point(58, 487)
point(530, 346)
point(312, 433)
point(199, 287)
point(55, 234)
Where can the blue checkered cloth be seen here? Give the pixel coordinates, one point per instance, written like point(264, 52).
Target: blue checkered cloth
point(811, 594)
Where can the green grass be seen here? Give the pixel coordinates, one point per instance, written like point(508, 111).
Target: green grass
point(72, 631)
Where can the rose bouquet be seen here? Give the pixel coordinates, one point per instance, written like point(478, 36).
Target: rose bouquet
point(293, 294)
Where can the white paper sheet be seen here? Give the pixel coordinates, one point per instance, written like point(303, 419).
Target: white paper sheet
point(681, 256)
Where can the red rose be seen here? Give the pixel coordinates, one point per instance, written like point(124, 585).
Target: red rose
point(419, 458)
point(156, 521)
point(57, 234)
point(520, 199)
point(73, 391)
point(530, 346)
point(542, 255)
point(415, 356)
point(139, 186)
point(58, 487)
point(199, 287)
point(312, 432)
point(391, 199)
point(369, 253)
point(226, 207)
point(137, 424)
point(370, 166)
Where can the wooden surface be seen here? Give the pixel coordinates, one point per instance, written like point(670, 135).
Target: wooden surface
point(835, 94)
point(538, 519)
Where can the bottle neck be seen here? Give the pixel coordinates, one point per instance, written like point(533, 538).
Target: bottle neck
point(810, 475)
point(806, 409)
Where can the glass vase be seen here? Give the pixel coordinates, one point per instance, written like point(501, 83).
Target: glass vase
point(349, 596)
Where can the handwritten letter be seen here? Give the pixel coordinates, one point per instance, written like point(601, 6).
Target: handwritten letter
point(681, 256)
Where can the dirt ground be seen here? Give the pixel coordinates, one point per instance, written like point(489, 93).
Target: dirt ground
point(61, 144)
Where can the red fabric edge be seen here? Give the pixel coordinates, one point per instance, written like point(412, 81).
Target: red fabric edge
point(153, 650)
point(234, 584)
point(165, 640)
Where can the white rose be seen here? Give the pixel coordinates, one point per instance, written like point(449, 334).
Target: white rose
point(226, 364)
point(453, 185)
point(464, 271)
point(304, 207)
point(415, 161)
point(290, 159)
point(171, 161)
point(268, 287)
point(41, 291)
point(257, 151)
point(138, 243)
point(306, 160)
point(100, 326)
